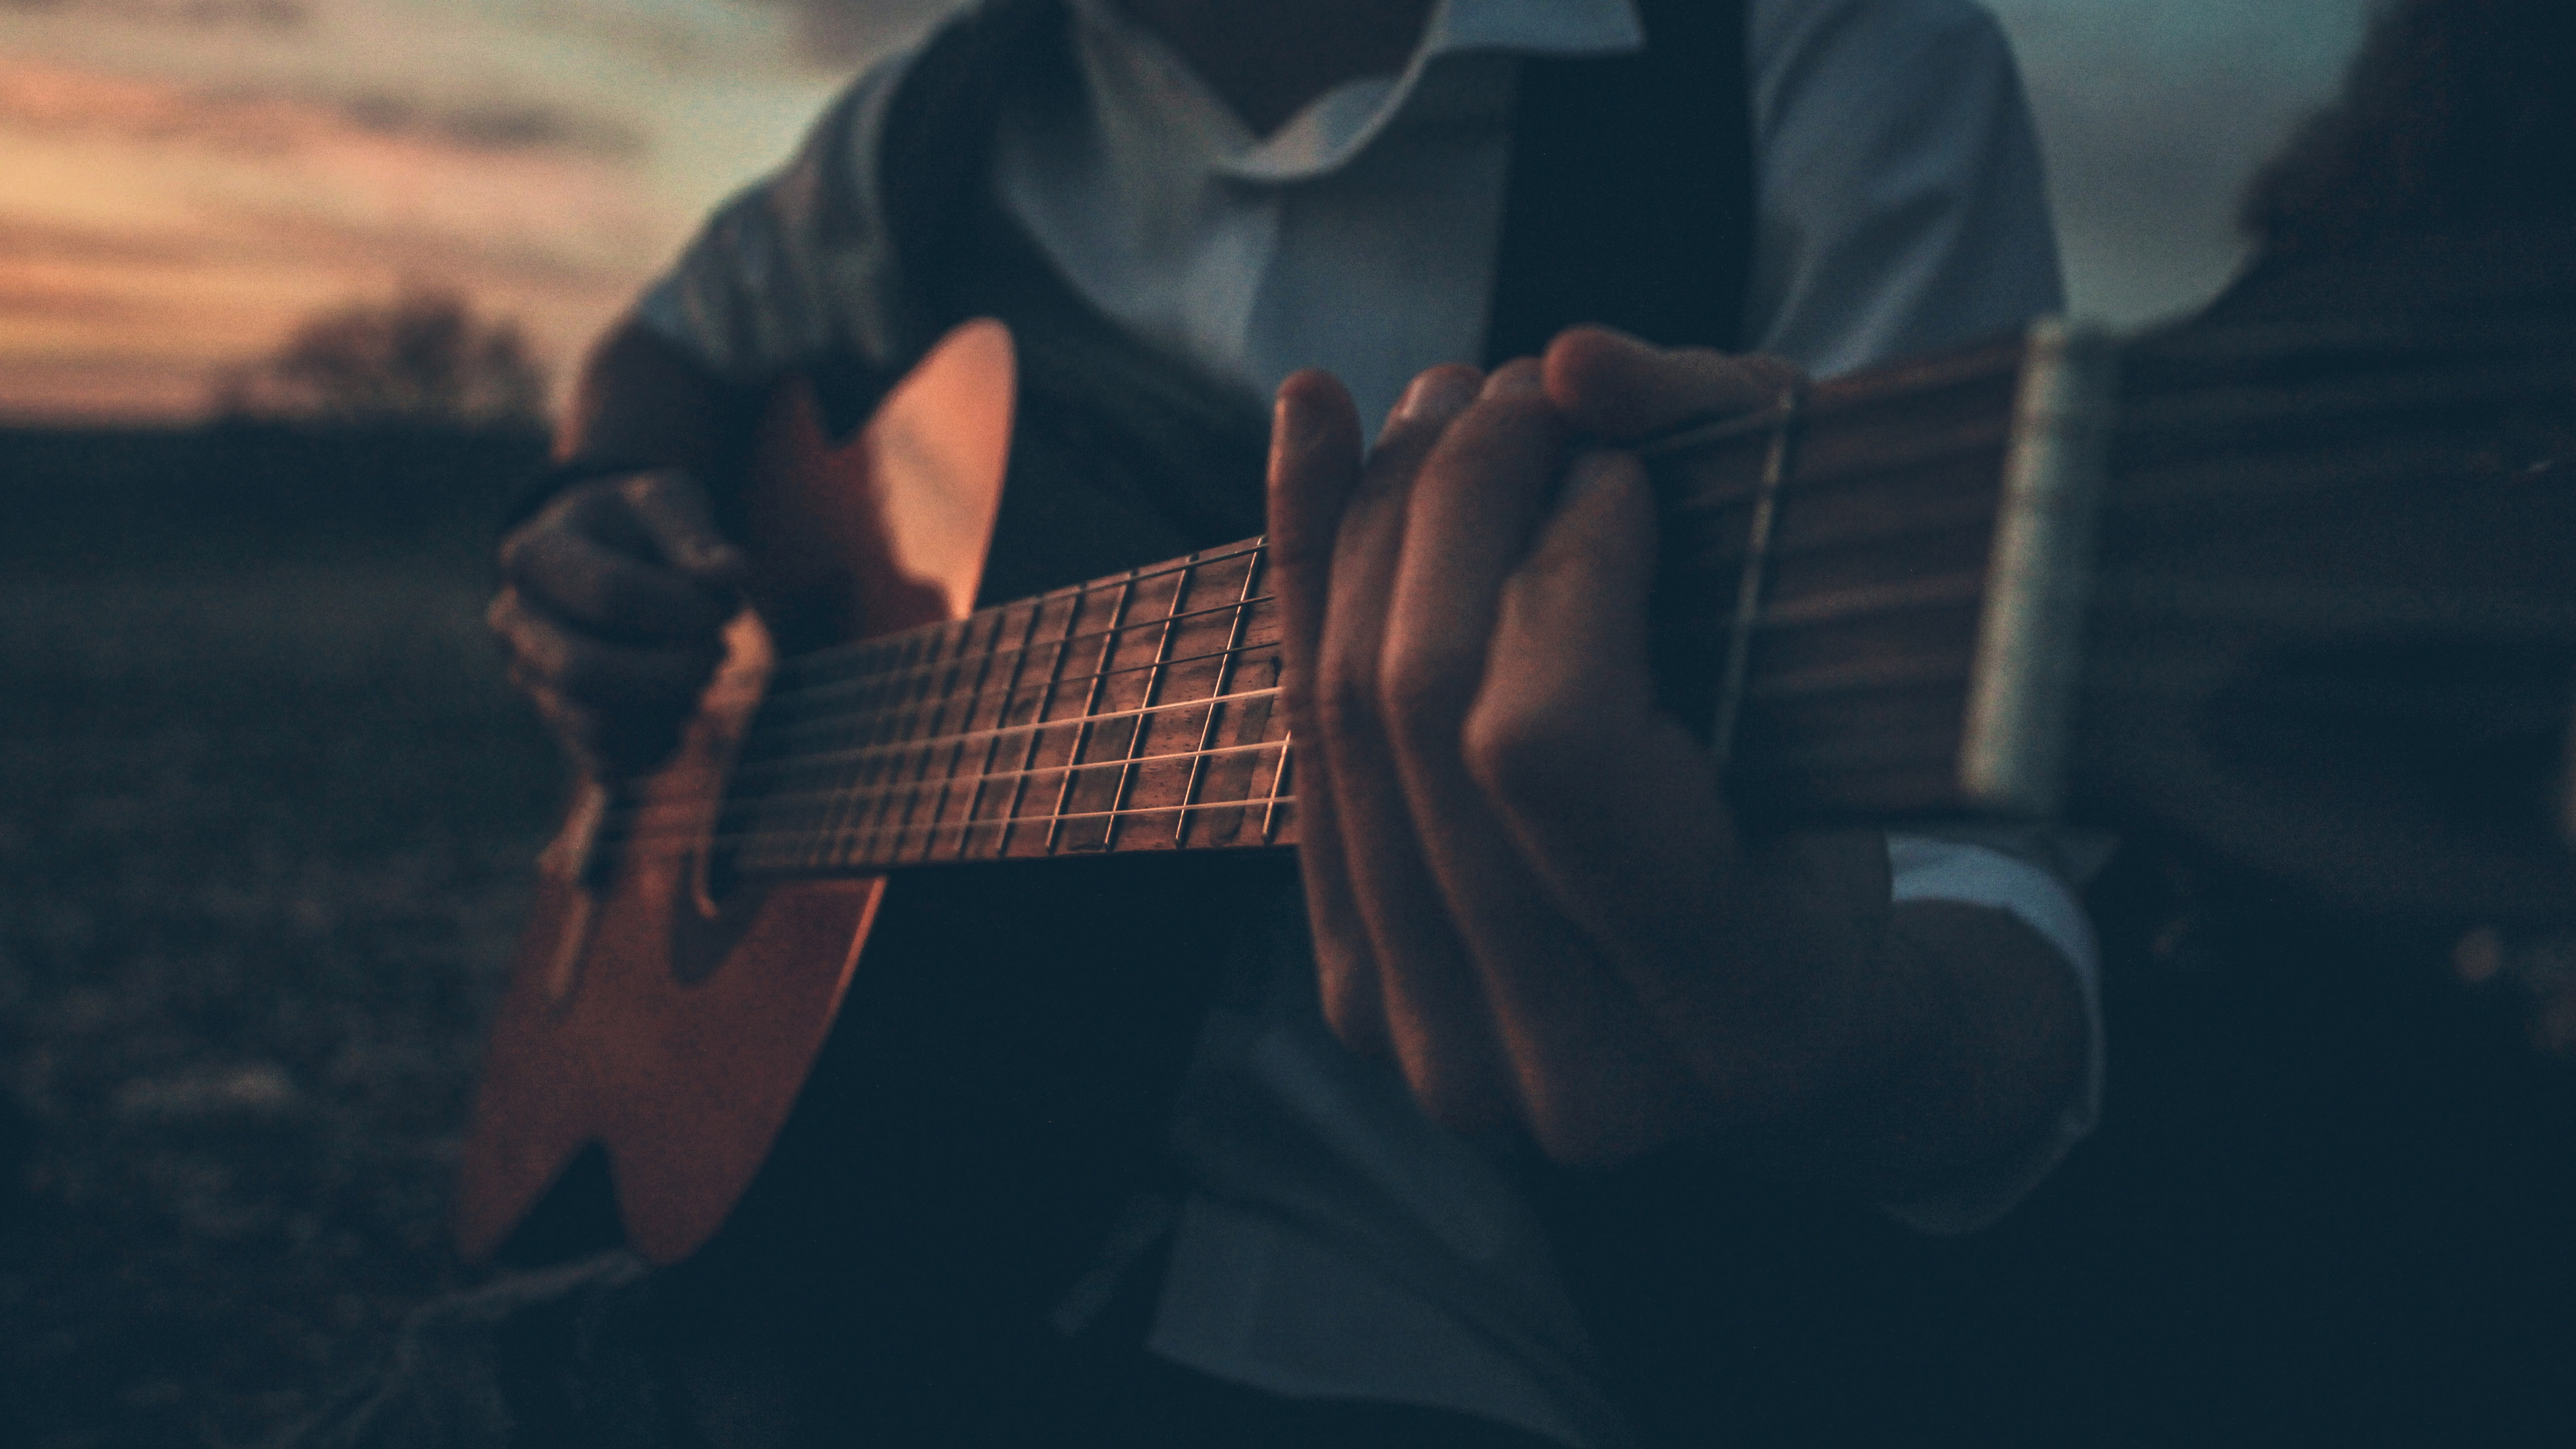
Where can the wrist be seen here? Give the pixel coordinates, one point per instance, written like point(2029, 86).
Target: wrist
point(564, 476)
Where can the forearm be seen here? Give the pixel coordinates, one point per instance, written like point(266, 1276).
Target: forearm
point(642, 399)
point(641, 402)
point(1889, 1048)
point(1962, 1049)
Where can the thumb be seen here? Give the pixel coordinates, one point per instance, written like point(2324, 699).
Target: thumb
point(680, 524)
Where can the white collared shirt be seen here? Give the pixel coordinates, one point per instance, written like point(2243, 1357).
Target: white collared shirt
point(1337, 1244)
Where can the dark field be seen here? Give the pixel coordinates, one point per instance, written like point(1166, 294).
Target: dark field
point(265, 813)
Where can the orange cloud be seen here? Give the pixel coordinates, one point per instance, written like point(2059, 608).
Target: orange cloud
point(152, 232)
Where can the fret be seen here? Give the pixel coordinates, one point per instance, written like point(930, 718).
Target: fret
point(857, 731)
point(851, 731)
point(956, 735)
point(1145, 705)
point(1001, 717)
point(1748, 595)
point(1278, 773)
point(894, 729)
point(1090, 706)
point(806, 720)
point(926, 742)
point(1151, 714)
point(808, 824)
point(1216, 692)
point(1037, 720)
point(878, 727)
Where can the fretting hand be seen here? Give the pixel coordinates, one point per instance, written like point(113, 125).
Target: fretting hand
point(1524, 882)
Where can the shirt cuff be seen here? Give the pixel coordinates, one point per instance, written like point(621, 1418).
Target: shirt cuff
point(1929, 869)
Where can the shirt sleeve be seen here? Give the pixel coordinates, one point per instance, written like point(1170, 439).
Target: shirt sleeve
point(2029, 873)
point(1900, 206)
point(798, 263)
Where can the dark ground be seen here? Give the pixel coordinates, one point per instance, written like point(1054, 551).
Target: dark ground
point(265, 816)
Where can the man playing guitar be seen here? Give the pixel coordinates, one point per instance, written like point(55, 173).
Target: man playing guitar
point(1537, 934)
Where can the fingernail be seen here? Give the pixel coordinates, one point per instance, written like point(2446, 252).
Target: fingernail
point(1517, 380)
point(1439, 392)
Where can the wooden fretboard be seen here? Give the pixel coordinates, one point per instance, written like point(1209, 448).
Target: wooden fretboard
point(1825, 600)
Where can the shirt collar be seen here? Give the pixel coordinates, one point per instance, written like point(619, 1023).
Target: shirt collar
point(1342, 122)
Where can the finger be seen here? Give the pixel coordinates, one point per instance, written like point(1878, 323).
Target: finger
point(566, 567)
point(1619, 811)
point(1435, 1016)
point(1593, 1079)
point(1566, 717)
point(681, 524)
point(1314, 468)
point(601, 675)
point(1612, 384)
point(1466, 522)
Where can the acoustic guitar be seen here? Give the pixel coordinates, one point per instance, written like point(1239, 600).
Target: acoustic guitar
point(2306, 598)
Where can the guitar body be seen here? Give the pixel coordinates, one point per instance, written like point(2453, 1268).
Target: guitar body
point(640, 978)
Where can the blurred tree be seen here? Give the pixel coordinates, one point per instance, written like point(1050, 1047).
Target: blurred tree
point(424, 357)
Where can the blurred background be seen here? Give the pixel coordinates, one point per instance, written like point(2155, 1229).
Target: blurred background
point(287, 288)
point(183, 181)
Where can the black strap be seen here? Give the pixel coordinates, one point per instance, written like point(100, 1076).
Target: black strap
point(1630, 201)
point(934, 164)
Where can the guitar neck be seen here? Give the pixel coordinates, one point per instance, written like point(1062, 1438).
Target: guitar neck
point(1136, 712)
point(1824, 590)
point(1875, 600)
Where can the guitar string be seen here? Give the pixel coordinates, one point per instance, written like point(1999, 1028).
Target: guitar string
point(1019, 788)
point(873, 839)
point(959, 631)
point(1687, 438)
point(1744, 428)
point(1673, 445)
point(900, 673)
point(730, 826)
point(851, 803)
point(837, 653)
point(957, 751)
point(1010, 691)
point(1216, 691)
point(792, 693)
point(858, 719)
point(1707, 503)
point(657, 819)
point(855, 803)
point(855, 790)
point(1712, 563)
point(1911, 677)
point(2119, 595)
point(1779, 613)
point(1090, 703)
point(779, 726)
point(670, 848)
point(1136, 736)
point(1894, 676)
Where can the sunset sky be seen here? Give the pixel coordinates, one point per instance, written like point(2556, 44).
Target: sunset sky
point(181, 180)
